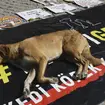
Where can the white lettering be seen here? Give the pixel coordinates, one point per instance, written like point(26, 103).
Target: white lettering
point(10, 103)
point(35, 100)
point(67, 81)
point(21, 102)
point(92, 39)
point(94, 69)
point(58, 87)
point(44, 92)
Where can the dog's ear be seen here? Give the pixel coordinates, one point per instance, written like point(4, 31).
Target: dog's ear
point(1, 56)
point(1, 53)
point(3, 50)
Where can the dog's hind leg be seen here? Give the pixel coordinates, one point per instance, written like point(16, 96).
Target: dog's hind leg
point(77, 58)
point(42, 67)
point(77, 75)
point(85, 63)
point(85, 70)
point(82, 69)
point(28, 81)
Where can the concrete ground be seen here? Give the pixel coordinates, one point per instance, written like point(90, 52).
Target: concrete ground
point(9, 7)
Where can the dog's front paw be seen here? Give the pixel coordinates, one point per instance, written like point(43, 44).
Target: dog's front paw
point(54, 80)
point(26, 92)
point(80, 76)
point(76, 77)
point(84, 75)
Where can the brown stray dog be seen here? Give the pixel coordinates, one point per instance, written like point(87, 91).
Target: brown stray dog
point(44, 48)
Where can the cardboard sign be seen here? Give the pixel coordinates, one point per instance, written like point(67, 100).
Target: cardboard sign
point(88, 3)
point(34, 14)
point(59, 8)
point(7, 19)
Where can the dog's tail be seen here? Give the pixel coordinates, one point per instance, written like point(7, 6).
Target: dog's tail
point(95, 61)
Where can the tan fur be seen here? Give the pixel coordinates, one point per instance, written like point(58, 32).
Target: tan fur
point(44, 48)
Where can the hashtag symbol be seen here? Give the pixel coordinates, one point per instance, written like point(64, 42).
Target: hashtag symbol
point(3, 74)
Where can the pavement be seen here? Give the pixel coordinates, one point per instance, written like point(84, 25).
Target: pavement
point(10, 7)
